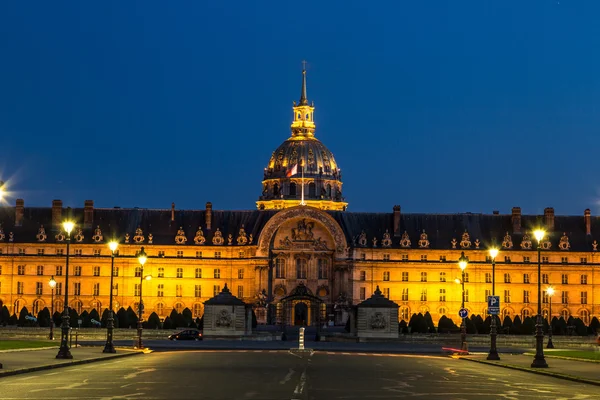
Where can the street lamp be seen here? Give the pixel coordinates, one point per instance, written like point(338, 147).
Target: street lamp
point(550, 292)
point(538, 360)
point(142, 258)
point(1, 189)
point(63, 351)
point(462, 263)
point(493, 354)
point(52, 284)
point(110, 321)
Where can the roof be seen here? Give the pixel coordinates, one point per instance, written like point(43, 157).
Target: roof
point(377, 300)
point(225, 298)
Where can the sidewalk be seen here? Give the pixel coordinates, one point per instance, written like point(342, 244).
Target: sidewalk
point(29, 360)
point(570, 369)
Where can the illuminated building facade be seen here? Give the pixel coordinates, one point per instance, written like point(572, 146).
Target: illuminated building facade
point(299, 247)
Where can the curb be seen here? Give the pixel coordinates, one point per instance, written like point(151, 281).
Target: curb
point(536, 371)
point(567, 358)
point(28, 349)
point(66, 364)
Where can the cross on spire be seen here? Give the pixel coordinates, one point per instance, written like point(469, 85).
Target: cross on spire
point(303, 98)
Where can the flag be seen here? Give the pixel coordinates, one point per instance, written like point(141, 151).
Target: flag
point(292, 171)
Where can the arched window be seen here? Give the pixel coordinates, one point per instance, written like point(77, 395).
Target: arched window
point(160, 309)
point(197, 310)
point(179, 307)
point(506, 313)
point(404, 314)
point(442, 311)
point(312, 190)
point(37, 307)
point(58, 306)
point(78, 306)
point(328, 190)
point(525, 313)
point(292, 189)
point(301, 267)
point(565, 314)
point(323, 264)
point(585, 316)
point(280, 268)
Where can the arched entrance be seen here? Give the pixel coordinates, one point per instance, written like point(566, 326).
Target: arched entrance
point(300, 313)
point(300, 308)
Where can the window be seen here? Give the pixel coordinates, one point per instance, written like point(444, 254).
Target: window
point(40, 252)
point(583, 260)
point(160, 308)
point(161, 253)
point(198, 291)
point(216, 290)
point(40, 270)
point(404, 313)
point(58, 289)
point(488, 293)
point(363, 293)
point(423, 276)
point(179, 290)
point(386, 293)
point(565, 279)
point(404, 257)
point(442, 294)
point(545, 259)
point(217, 254)
point(507, 278)
point(526, 278)
point(180, 272)
point(58, 271)
point(545, 297)
point(584, 315)
point(198, 273)
point(488, 259)
point(77, 270)
point(241, 254)
point(564, 260)
point(180, 253)
point(442, 277)
point(241, 273)
point(96, 271)
point(19, 287)
point(488, 277)
point(323, 266)
point(301, 268)
point(545, 278)
point(506, 259)
point(466, 295)
point(59, 252)
point(39, 287)
point(565, 297)
point(405, 276)
point(78, 252)
point(423, 294)
point(21, 270)
point(405, 294)
point(584, 279)
point(77, 289)
point(97, 252)
point(565, 314)
point(526, 259)
point(179, 307)
point(423, 257)
point(507, 296)
point(466, 277)
point(136, 289)
point(198, 254)
point(362, 276)
point(197, 310)
point(386, 275)
point(116, 271)
point(363, 256)
point(525, 296)
point(138, 272)
point(217, 273)
point(386, 257)
point(442, 258)
point(21, 252)
point(160, 292)
point(161, 272)
point(240, 293)
point(583, 297)
point(525, 313)
point(116, 289)
point(0, 269)
point(442, 310)
point(280, 268)
point(96, 289)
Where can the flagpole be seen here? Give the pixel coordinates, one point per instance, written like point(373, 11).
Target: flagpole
point(302, 201)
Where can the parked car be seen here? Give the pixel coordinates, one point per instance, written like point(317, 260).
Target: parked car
point(189, 334)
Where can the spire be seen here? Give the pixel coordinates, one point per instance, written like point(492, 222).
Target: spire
point(303, 98)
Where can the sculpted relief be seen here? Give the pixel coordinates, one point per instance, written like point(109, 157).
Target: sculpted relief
point(303, 235)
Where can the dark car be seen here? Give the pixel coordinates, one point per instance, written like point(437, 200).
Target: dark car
point(190, 334)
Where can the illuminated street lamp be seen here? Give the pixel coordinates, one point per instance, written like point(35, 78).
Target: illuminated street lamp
point(142, 258)
point(64, 351)
point(110, 321)
point(493, 354)
point(1, 189)
point(462, 263)
point(538, 360)
point(550, 292)
point(52, 284)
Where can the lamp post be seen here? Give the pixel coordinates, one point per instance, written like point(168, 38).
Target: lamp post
point(64, 351)
point(462, 263)
point(142, 258)
point(550, 292)
point(493, 354)
point(1, 190)
point(52, 284)
point(538, 360)
point(110, 321)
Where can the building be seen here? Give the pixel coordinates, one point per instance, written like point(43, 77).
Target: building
point(300, 250)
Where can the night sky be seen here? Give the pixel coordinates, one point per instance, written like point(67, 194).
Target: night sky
point(440, 107)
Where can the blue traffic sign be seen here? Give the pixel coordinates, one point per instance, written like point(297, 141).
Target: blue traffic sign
point(493, 305)
point(463, 313)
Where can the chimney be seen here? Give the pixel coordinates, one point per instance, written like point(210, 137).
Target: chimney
point(56, 213)
point(208, 215)
point(19, 211)
point(396, 220)
point(88, 213)
point(516, 219)
point(587, 216)
point(549, 218)
point(172, 211)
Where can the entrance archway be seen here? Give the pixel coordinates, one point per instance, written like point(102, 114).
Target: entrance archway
point(300, 314)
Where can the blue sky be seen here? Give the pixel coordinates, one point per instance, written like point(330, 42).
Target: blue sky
point(436, 106)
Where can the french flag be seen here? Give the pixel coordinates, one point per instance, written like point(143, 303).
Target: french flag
point(292, 171)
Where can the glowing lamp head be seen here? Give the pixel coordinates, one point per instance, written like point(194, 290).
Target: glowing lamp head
point(148, 277)
point(550, 291)
point(142, 258)
point(113, 245)
point(539, 234)
point(1, 189)
point(456, 280)
point(493, 252)
point(463, 261)
point(52, 282)
point(68, 226)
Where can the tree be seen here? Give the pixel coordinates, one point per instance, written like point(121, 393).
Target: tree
point(446, 325)
point(200, 322)
point(429, 322)
point(22, 314)
point(132, 317)
point(580, 328)
point(594, 325)
point(402, 325)
point(94, 316)
point(44, 317)
point(470, 326)
point(517, 325)
point(417, 323)
point(528, 327)
point(167, 323)
point(5, 316)
point(507, 324)
point(123, 318)
point(57, 318)
point(153, 321)
point(13, 320)
point(178, 320)
point(73, 318)
point(187, 317)
point(104, 317)
point(561, 326)
point(85, 319)
point(478, 323)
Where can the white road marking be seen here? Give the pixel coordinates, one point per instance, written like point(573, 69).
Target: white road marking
point(300, 386)
point(141, 371)
point(287, 377)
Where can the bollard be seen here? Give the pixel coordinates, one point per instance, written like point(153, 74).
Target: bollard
point(301, 339)
point(76, 337)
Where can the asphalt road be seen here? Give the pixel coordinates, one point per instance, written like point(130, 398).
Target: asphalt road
point(212, 375)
